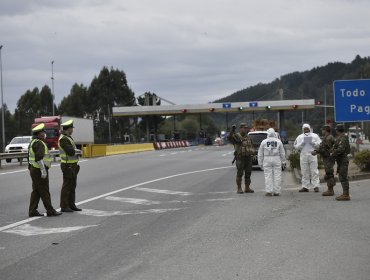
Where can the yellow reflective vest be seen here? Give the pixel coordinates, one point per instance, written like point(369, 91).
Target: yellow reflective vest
point(64, 158)
point(31, 155)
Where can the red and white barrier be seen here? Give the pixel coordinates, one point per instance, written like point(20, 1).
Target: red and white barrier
point(171, 144)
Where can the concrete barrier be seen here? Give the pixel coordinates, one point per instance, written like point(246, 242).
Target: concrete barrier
point(128, 148)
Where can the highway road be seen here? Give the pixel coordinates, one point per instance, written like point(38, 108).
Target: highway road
point(174, 214)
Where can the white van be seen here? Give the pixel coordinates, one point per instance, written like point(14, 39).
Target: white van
point(18, 144)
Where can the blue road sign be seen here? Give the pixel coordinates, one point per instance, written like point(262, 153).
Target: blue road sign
point(226, 105)
point(253, 104)
point(352, 100)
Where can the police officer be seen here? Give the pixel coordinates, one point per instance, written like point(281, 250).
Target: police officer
point(340, 151)
point(324, 151)
point(70, 168)
point(39, 161)
point(244, 151)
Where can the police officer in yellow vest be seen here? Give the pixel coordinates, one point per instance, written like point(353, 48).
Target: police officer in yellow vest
point(39, 161)
point(70, 168)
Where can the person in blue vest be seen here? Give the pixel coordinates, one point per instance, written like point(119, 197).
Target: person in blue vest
point(39, 162)
point(70, 168)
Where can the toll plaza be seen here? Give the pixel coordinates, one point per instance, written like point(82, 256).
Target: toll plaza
point(280, 106)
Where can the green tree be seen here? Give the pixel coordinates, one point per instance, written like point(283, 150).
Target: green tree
point(109, 89)
point(76, 104)
point(28, 107)
point(46, 101)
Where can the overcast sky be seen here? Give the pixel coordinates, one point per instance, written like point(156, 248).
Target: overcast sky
point(187, 51)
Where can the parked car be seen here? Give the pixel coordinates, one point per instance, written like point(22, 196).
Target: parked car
point(18, 144)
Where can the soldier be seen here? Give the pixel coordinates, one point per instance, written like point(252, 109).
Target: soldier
point(39, 162)
point(340, 152)
point(70, 168)
point(244, 151)
point(324, 150)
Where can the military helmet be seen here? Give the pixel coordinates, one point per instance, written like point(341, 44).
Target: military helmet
point(326, 127)
point(38, 128)
point(67, 124)
point(243, 125)
point(339, 127)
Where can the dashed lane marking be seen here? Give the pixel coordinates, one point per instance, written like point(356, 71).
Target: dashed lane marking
point(99, 213)
point(28, 230)
point(132, 200)
point(163, 191)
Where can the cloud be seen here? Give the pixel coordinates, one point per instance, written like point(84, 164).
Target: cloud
point(185, 51)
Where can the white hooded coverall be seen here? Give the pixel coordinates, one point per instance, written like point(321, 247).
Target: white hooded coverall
point(271, 156)
point(306, 143)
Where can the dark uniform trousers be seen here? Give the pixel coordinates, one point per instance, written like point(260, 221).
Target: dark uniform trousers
point(68, 192)
point(40, 189)
point(244, 167)
point(329, 170)
point(342, 170)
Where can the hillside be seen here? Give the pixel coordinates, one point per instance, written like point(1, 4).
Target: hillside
point(308, 84)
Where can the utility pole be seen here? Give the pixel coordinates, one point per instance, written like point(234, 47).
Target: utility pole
point(52, 87)
point(325, 105)
point(110, 135)
point(2, 101)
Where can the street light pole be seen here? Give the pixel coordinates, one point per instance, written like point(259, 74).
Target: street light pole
point(2, 102)
point(52, 86)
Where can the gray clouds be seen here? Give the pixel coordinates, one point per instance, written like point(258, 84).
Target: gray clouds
point(185, 51)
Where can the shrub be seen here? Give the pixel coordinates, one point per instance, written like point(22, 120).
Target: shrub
point(294, 160)
point(362, 160)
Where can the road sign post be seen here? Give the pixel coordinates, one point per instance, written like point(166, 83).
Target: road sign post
point(352, 100)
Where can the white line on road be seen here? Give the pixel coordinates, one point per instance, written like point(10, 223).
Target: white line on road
point(121, 190)
point(24, 170)
point(163, 191)
point(28, 230)
point(99, 213)
point(132, 200)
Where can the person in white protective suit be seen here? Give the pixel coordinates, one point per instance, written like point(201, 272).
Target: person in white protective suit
point(305, 144)
point(271, 157)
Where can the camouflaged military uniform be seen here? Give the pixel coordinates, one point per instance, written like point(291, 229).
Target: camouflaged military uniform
point(324, 150)
point(244, 152)
point(340, 151)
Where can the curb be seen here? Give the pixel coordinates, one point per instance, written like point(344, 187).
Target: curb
point(297, 176)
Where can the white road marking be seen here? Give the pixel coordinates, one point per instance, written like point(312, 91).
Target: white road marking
point(154, 202)
point(121, 190)
point(99, 213)
point(226, 154)
point(163, 191)
point(28, 230)
point(132, 200)
point(220, 199)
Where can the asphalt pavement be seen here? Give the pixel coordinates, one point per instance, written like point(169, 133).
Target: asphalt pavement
point(174, 214)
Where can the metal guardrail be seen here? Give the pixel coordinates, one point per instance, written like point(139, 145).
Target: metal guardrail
point(21, 156)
